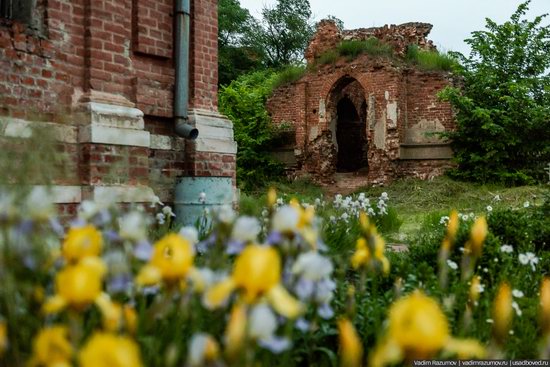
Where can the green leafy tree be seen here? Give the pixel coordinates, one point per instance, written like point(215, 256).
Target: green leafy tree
point(237, 55)
point(503, 107)
point(243, 102)
point(284, 32)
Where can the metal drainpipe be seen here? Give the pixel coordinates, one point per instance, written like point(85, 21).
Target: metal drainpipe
point(181, 93)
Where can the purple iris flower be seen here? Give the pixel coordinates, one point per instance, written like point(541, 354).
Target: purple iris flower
point(119, 283)
point(325, 311)
point(112, 235)
point(57, 227)
point(143, 251)
point(274, 238)
point(304, 288)
point(302, 324)
point(25, 227)
point(79, 222)
point(234, 247)
point(275, 344)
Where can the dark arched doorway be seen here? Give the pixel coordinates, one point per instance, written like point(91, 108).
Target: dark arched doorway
point(350, 136)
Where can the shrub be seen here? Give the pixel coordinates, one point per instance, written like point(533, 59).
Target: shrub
point(243, 101)
point(503, 108)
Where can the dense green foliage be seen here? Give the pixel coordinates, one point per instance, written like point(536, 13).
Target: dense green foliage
point(246, 44)
point(430, 60)
point(243, 101)
point(503, 107)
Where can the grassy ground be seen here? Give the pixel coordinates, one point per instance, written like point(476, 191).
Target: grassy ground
point(416, 199)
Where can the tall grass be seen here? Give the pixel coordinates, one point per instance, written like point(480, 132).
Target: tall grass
point(372, 47)
point(328, 57)
point(288, 75)
point(430, 60)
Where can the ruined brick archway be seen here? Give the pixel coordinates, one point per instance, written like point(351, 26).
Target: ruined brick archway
point(369, 119)
point(346, 109)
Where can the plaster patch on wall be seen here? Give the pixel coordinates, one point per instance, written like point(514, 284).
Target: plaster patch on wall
point(380, 132)
point(313, 132)
point(421, 132)
point(391, 110)
point(322, 110)
point(371, 112)
point(332, 128)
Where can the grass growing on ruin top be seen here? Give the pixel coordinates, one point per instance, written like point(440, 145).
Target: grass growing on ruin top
point(430, 60)
point(372, 47)
point(288, 75)
point(352, 49)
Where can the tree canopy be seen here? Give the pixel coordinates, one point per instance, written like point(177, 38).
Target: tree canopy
point(285, 31)
point(503, 106)
point(247, 44)
point(237, 54)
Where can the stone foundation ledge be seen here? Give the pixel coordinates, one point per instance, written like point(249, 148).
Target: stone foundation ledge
point(425, 151)
point(117, 194)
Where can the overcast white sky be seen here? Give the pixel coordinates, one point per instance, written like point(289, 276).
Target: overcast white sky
point(453, 20)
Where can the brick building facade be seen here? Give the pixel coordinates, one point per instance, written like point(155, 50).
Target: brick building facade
point(101, 74)
point(371, 118)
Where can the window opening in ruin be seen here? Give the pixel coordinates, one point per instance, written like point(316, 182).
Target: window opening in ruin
point(19, 10)
point(351, 137)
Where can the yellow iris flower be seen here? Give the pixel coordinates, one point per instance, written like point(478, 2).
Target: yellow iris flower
point(545, 305)
point(109, 350)
point(351, 348)
point(171, 262)
point(130, 318)
point(418, 329)
point(305, 221)
point(77, 285)
point(271, 197)
point(3, 338)
point(235, 334)
point(477, 237)
point(369, 250)
point(256, 273)
point(305, 215)
point(51, 348)
point(82, 242)
point(361, 256)
point(452, 226)
point(418, 326)
point(502, 312)
point(474, 290)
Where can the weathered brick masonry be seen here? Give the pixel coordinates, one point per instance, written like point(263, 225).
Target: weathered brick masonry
point(100, 74)
point(373, 116)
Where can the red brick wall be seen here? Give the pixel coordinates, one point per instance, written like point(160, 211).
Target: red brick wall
point(118, 52)
point(122, 47)
point(204, 55)
point(154, 27)
point(39, 74)
point(114, 164)
point(422, 100)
